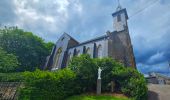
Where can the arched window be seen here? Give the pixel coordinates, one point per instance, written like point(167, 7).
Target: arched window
point(68, 58)
point(99, 51)
point(57, 57)
point(75, 52)
point(87, 51)
point(78, 53)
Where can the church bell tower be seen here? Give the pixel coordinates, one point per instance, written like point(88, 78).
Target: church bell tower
point(120, 18)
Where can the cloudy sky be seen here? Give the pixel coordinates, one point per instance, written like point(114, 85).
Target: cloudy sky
point(86, 19)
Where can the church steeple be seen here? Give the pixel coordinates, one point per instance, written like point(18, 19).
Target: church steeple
point(120, 18)
point(119, 7)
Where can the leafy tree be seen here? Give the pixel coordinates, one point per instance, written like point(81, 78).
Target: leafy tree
point(108, 66)
point(8, 62)
point(86, 72)
point(49, 46)
point(127, 80)
point(82, 78)
point(30, 49)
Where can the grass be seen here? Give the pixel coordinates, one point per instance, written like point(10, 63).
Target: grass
point(94, 97)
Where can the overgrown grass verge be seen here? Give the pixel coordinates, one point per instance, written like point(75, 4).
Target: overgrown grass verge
point(96, 97)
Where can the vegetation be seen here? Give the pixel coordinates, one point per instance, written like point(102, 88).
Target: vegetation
point(24, 51)
point(93, 97)
point(8, 62)
point(45, 85)
point(86, 72)
point(80, 77)
point(11, 77)
point(132, 83)
point(30, 50)
point(127, 80)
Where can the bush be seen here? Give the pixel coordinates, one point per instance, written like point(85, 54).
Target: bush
point(132, 84)
point(128, 81)
point(86, 72)
point(11, 77)
point(44, 85)
point(107, 65)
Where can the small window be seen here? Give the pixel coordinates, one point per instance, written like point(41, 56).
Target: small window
point(118, 18)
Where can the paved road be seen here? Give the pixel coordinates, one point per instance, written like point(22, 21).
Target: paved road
point(159, 92)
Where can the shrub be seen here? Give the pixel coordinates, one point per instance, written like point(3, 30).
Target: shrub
point(107, 65)
point(86, 72)
point(132, 84)
point(128, 81)
point(44, 85)
point(11, 77)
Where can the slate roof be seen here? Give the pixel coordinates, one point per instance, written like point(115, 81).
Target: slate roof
point(119, 12)
point(92, 40)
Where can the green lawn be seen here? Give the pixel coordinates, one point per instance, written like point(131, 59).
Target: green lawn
point(87, 97)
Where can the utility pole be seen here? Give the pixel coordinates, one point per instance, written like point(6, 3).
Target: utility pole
point(169, 65)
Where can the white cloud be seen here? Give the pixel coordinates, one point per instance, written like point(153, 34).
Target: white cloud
point(47, 18)
point(149, 29)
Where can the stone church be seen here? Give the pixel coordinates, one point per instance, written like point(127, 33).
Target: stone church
point(116, 44)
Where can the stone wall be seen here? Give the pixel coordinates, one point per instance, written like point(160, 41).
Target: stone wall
point(8, 90)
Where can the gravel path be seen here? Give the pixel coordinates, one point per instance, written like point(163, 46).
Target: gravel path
point(159, 92)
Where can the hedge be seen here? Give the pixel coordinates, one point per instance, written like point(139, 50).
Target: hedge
point(45, 85)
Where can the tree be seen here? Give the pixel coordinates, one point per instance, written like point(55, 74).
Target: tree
point(30, 49)
point(108, 66)
point(8, 62)
point(127, 80)
point(86, 72)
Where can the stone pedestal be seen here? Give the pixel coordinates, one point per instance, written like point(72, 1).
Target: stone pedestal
point(98, 86)
point(112, 86)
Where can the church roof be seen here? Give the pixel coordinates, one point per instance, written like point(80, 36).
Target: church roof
point(92, 40)
point(71, 37)
point(119, 12)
